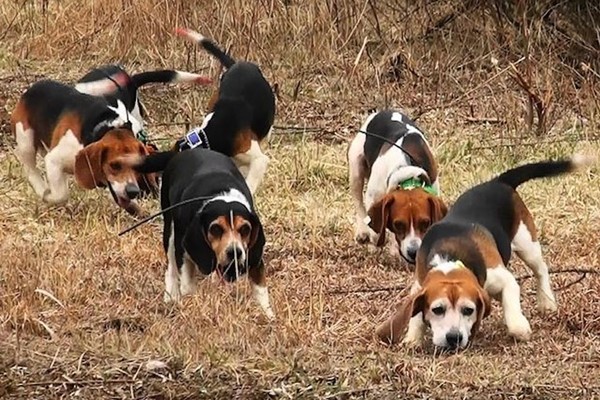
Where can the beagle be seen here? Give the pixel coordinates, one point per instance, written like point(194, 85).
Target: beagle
point(463, 261)
point(126, 96)
point(220, 232)
point(402, 188)
point(81, 134)
point(241, 114)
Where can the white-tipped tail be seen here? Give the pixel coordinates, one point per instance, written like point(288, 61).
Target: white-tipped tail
point(581, 160)
point(189, 34)
point(183, 77)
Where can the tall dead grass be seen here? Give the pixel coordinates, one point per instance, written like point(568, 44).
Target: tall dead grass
point(522, 65)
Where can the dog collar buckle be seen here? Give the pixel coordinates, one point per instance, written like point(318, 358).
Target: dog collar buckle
point(196, 138)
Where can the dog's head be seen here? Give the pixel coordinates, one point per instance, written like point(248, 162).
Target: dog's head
point(408, 214)
point(111, 161)
point(227, 235)
point(452, 303)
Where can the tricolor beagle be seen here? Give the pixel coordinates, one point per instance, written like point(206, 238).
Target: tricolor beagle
point(463, 260)
point(241, 114)
point(220, 232)
point(402, 188)
point(82, 135)
point(127, 98)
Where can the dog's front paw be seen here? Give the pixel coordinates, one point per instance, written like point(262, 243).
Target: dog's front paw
point(362, 237)
point(519, 328)
point(172, 297)
point(412, 341)
point(52, 198)
point(545, 303)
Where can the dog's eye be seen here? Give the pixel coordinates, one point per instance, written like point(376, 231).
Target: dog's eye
point(216, 230)
point(439, 310)
point(115, 165)
point(467, 311)
point(423, 225)
point(399, 227)
point(244, 230)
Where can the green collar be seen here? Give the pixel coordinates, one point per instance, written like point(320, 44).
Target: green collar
point(142, 136)
point(414, 183)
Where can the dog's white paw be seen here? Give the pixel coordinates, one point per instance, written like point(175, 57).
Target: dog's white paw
point(519, 328)
point(545, 303)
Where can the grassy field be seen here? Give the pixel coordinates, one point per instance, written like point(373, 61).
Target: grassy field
point(81, 311)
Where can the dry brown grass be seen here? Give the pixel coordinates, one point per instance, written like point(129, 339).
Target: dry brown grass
point(81, 310)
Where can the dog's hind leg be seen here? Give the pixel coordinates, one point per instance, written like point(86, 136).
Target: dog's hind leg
point(357, 173)
point(530, 251)
point(26, 153)
point(256, 162)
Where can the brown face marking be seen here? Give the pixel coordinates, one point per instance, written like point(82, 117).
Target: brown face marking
point(121, 148)
point(405, 209)
point(110, 159)
point(243, 141)
point(225, 232)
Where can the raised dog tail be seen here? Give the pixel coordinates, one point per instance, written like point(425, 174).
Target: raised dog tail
point(543, 169)
point(207, 44)
point(168, 76)
point(155, 162)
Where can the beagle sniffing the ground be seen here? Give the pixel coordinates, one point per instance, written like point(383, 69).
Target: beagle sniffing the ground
point(241, 114)
point(220, 232)
point(81, 134)
point(125, 98)
point(463, 260)
point(402, 189)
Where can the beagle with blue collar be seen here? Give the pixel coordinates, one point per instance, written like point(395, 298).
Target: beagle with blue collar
point(80, 134)
point(219, 231)
point(463, 261)
point(241, 114)
point(402, 188)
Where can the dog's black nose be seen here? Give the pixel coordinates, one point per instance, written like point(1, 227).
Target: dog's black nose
point(132, 190)
point(234, 253)
point(454, 339)
point(412, 253)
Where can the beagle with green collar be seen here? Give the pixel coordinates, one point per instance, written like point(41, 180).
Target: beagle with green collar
point(463, 260)
point(392, 153)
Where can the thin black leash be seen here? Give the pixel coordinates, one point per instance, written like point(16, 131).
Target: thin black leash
point(151, 217)
point(412, 160)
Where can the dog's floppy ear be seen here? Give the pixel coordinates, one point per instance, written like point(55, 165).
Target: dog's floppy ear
point(437, 209)
point(195, 243)
point(392, 329)
point(484, 307)
point(379, 214)
point(256, 243)
point(88, 166)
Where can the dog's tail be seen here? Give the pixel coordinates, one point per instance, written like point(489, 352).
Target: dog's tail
point(155, 162)
point(168, 76)
point(524, 173)
point(207, 44)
